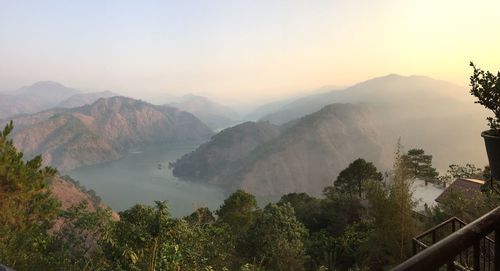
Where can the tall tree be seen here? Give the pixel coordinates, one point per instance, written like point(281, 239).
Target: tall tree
point(420, 165)
point(352, 179)
point(27, 209)
point(391, 211)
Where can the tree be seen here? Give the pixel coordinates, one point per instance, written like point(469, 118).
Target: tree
point(27, 209)
point(276, 239)
point(238, 211)
point(76, 242)
point(337, 252)
point(456, 171)
point(147, 238)
point(308, 210)
point(339, 210)
point(420, 165)
point(467, 207)
point(355, 176)
point(202, 216)
point(391, 213)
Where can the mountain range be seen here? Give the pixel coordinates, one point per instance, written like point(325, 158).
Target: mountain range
point(37, 97)
point(303, 157)
point(298, 145)
point(362, 121)
point(215, 115)
point(102, 131)
point(45, 95)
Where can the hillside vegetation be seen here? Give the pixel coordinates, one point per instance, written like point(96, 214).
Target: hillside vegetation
point(41, 231)
point(321, 134)
point(305, 156)
point(103, 131)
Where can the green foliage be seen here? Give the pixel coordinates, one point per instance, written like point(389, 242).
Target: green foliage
point(340, 210)
point(346, 233)
point(469, 171)
point(337, 252)
point(391, 212)
point(352, 179)
point(308, 210)
point(147, 238)
point(238, 211)
point(201, 216)
point(276, 239)
point(420, 165)
point(466, 207)
point(337, 233)
point(133, 242)
point(27, 209)
point(485, 86)
point(76, 240)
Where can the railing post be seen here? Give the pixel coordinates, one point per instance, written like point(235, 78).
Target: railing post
point(476, 252)
point(497, 250)
point(414, 243)
point(433, 237)
point(453, 247)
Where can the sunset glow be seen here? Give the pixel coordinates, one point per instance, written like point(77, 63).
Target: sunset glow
point(242, 50)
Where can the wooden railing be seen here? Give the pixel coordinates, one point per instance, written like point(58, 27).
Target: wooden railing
point(453, 245)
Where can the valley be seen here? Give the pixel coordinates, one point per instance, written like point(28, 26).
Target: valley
point(138, 178)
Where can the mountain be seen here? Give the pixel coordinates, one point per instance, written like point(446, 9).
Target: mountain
point(70, 193)
point(311, 150)
point(387, 90)
point(30, 99)
point(268, 108)
point(302, 158)
point(215, 115)
point(223, 151)
point(435, 115)
point(160, 99)
point(103, 131)
point(85, 98)
point(275, 106)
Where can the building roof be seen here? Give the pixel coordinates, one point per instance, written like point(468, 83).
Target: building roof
point(425, 194)
point(466, 187)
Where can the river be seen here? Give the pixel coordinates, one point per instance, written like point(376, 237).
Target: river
point(143, 176)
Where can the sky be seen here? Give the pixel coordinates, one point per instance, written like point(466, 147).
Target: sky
point(242, 50)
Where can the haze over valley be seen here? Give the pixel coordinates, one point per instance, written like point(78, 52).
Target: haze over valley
point(297, 144)
point(249, 135)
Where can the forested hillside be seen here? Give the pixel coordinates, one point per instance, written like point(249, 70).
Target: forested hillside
point(299, 232)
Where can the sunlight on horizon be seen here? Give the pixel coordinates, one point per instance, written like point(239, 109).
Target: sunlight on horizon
point(245, 50)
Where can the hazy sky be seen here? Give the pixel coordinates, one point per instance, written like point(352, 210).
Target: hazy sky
point(243, 50)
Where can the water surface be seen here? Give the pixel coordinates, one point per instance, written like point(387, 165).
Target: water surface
point(143, 176)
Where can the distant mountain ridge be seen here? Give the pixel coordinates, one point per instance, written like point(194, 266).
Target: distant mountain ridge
point(103, 131)
point(37, 97)
point(387, 90)
point(303, 157)
point(85, 99)
point(363, 121)
point(313, 150)
point(215, 115)
point(45, 95)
